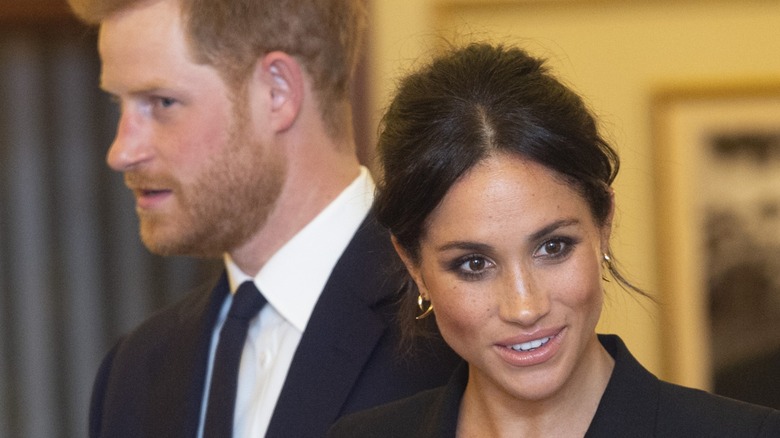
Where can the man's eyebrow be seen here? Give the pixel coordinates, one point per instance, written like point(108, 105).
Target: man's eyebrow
point(150, 87)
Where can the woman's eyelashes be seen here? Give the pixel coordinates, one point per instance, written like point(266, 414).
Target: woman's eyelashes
point(556, 248)
point(474, 267)
point(471, 267)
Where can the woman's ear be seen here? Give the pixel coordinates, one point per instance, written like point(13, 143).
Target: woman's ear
point(411, 266)
point(283, 78)
point(606, 226)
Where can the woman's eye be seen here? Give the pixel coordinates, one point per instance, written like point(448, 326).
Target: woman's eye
point(555, 248)
point(552, 248)
point(472, 267)
point(474, 264)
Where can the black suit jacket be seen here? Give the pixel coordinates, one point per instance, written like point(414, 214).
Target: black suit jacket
point(635, 404)
point(151, 382)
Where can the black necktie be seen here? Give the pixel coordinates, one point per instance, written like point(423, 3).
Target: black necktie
point(247, 302)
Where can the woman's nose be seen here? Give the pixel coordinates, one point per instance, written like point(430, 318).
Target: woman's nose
point(523, 301)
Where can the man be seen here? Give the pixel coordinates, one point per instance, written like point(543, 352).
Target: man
point(235, 138)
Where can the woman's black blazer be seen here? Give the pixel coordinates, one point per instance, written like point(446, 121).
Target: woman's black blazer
point(635, 404)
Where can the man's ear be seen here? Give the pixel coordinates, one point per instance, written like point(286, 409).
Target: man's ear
point(413, 268)
point(284, 80)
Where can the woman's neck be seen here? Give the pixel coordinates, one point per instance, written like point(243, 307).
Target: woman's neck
point(489, 411)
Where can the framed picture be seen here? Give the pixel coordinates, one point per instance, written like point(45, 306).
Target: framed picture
point(717, 156)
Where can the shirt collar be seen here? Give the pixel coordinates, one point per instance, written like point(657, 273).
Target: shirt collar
point(294, 277)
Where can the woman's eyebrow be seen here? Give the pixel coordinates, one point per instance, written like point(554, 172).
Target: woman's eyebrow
point(483, 247)
point(552, 227)
point(464, 245)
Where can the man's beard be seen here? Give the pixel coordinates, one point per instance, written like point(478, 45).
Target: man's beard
point(227, 204)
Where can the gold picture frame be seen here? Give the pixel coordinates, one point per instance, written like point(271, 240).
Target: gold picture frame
point(717, 157)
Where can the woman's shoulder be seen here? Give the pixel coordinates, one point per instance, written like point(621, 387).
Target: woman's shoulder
point(431, 413)
point(637, 402)
point(682, 408)
point(399, 418)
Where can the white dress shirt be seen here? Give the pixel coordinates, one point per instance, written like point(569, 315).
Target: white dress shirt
point(292, 281)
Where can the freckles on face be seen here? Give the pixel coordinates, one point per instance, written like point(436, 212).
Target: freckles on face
point(510, 261)
point(458, 309)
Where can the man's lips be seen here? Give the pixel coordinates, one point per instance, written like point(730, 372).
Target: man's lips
point(150, 198)
point(149, 192)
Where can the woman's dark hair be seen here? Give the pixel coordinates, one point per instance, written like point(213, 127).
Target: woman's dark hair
point(466, 105)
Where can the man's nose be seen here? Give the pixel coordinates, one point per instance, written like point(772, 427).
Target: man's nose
point(131, 145)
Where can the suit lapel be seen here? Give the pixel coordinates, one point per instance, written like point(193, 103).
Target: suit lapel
point(177, 386)
point(327, 363)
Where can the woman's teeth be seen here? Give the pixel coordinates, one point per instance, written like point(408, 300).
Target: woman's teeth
point(532, 345)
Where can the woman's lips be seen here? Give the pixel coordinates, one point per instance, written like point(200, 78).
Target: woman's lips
point(531, 345)
point(531, 350)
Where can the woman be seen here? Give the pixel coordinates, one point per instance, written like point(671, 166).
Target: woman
point(497, 195)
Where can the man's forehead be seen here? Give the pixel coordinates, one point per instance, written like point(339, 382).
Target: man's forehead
point(144, 49)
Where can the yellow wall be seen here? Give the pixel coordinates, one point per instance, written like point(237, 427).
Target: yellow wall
point(618, 54)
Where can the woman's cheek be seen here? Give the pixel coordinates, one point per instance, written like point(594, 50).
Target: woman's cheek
point(460, 313)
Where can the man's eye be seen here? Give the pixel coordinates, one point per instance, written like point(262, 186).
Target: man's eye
point(166, 102)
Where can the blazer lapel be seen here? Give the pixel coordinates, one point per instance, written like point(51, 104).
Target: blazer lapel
point(327, 363)
point(177, 386)
point(621, 411)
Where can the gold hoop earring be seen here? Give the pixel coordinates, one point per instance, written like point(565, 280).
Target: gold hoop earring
point(425, 312)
